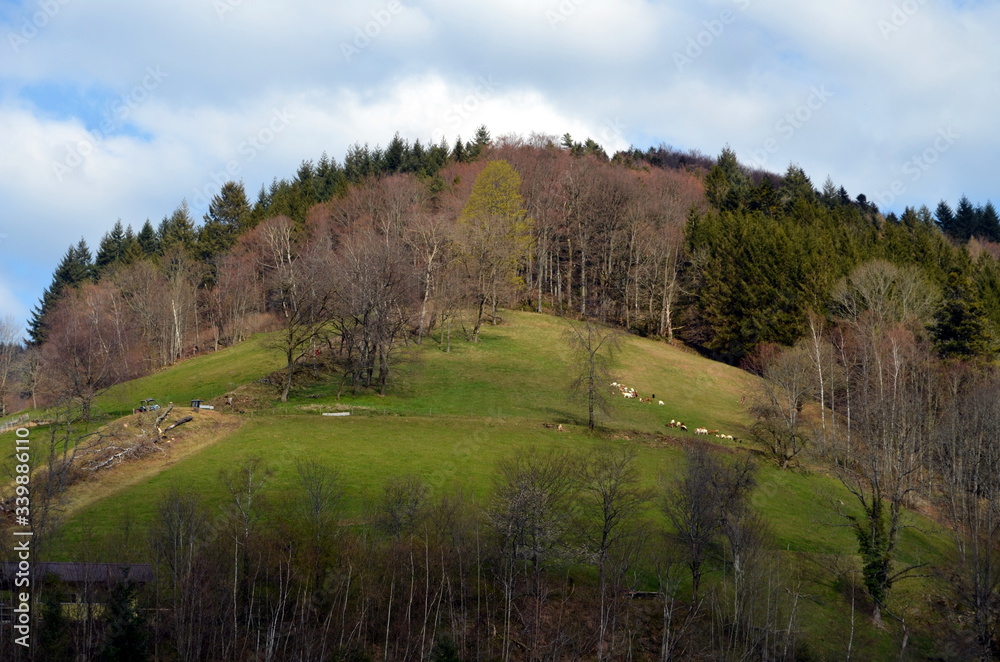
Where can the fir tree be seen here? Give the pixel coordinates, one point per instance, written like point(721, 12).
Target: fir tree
point(965, 220)
point(945, 218)
point(959, 327)
point(177, 229)
point(458, 152)
point(987, 222)
point(75, 268)
point(112, 247)
point(149, 242)
point(227, 217)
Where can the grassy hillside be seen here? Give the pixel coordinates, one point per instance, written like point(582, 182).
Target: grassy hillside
point(449, 417)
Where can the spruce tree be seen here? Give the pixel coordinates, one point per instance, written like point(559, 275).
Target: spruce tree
point(959, 327)
point(227, 217)
point(966, 220)
point(177, 229)
point(945, 218)
point(75, 268)
point(111, 248)
point(987, 222)
point(149, 242)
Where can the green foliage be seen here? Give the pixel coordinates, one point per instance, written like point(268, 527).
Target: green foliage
point(726, 185)
point(227, 217)
point(76, 268)
point(872, 532)
point(127, 634)
point(959, 328)
point(112, 248)
point(177, 230)
point(148, 240)
point(55, 638)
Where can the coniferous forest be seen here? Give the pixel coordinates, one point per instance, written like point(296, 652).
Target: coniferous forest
point(872, 338)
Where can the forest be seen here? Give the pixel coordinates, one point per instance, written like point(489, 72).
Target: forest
point(872, 337)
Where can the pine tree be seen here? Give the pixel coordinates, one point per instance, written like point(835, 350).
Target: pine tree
point(227, 217)
point(965, 220)
point(959, 327)
point(149, 242)
point(76, 267)
point(396, 153)
point(945, 218)
point(177, 229)
point(726, 185)
point(458, 152)
point(987, 222)
point(112, 247)
point(479, 143)
point(796, 187)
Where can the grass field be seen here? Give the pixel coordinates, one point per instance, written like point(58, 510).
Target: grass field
point(448, 418)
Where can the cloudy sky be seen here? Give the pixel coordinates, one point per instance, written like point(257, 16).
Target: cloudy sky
point(115, 109)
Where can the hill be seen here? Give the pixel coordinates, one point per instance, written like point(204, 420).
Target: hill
point(450, 418)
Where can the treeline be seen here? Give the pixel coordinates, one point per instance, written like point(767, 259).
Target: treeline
point(764, 257)
point(396, 255)
point(662, 243)
point(567, 557)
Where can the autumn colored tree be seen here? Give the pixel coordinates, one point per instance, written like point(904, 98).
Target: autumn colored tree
point(90, 346)
point(495, 236)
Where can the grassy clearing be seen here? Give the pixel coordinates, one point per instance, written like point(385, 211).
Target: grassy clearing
point(522, 370)
point(207, 376)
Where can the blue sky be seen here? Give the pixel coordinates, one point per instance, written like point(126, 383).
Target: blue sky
point(112, 109)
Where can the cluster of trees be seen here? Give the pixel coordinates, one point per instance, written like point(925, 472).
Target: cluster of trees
point(764, 256)
point(661, 243)
point(968, 220)
point(362, 261)
point(870, 392)
point(550, 565)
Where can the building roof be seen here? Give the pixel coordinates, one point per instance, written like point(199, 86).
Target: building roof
point(82, 573)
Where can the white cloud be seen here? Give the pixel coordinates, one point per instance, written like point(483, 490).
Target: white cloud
point(587, 67)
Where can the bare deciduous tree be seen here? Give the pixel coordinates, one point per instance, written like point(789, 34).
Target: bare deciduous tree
point(967, 459)
point(698, 503)
point(593, 348)
point(611, 502)
point(894, 394)
point(531, 514)
point(786, 385)
point(10, 350)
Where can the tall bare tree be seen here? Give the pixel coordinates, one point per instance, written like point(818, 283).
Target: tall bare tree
point(894, 406)
point(298, 277)
point(611, 502)
point(10, 350)
point(531, 515)
point(786, 385)
point(967, 459)
point(592, 348)
point(698, 503)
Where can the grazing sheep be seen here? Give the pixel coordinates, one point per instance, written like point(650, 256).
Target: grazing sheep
point(661, 402)
point(683, 427)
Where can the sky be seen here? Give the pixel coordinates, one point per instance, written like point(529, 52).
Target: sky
point(116, 109)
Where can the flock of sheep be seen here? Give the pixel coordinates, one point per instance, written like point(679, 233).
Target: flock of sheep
point(630, 393)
